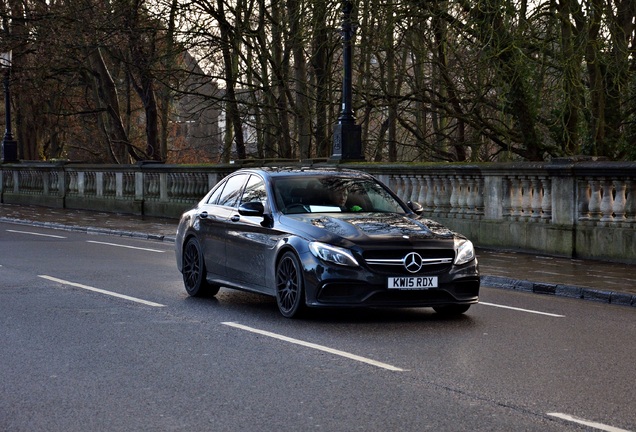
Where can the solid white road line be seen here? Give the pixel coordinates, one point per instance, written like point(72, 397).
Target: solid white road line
point(595, 425)
point(101, 291)
point(315, 346)
point(521, 310)
point(35, 234)
point(126, 246)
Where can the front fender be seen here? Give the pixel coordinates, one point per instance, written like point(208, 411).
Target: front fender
point(296, 244)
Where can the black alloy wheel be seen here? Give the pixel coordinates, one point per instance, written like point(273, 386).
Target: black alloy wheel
point(290, 292)
point(452, 309)
point(194, 271)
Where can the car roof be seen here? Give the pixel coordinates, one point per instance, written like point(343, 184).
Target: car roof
point(274, 172)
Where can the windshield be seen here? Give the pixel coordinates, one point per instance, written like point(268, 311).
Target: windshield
point(326, 194)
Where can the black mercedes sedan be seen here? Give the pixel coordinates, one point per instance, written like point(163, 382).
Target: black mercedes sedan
point(323, 238)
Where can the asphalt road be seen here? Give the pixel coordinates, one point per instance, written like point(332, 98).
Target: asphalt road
point(98, 334)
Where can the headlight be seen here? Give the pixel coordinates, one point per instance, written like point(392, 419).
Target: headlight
point(332, 254)
point(465, 252)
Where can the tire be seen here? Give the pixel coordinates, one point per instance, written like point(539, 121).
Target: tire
point(451, 310)
point(194, 272)
point(290, 289)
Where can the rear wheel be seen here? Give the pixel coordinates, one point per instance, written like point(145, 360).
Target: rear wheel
point(451, 310)
point(290, 291)
point(194, 273)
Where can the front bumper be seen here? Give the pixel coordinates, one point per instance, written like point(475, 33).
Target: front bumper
point(331, 286)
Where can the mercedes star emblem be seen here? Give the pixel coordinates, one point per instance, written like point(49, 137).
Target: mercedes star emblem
point(412, 262)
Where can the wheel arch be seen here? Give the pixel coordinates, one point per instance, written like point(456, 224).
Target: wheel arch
point(186, 237)
point(291, 244)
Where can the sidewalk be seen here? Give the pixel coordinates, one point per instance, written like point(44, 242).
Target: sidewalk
point(591, 280)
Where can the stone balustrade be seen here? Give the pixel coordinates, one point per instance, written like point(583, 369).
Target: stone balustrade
point(569, 208)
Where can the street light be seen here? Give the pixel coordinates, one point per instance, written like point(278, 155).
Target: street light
point(9, 145)
point(347, 136)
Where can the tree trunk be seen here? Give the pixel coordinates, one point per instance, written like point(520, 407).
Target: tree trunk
point(105, 94)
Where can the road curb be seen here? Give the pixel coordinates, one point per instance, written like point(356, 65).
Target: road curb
point(560, 290)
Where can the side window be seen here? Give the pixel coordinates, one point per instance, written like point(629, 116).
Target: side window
point(214, 198)
point(232, 190)
point(254, 191)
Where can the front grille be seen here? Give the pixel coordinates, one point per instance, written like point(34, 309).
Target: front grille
point(391, 262)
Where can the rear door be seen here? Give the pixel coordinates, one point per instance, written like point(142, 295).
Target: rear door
point(213, 220)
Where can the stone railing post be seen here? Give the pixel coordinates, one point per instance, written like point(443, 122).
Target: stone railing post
point(493, 197)
point(139, 185)
point(564, 196)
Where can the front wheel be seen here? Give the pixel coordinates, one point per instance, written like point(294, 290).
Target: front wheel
point(290, 291)
point(451, 310)
point(194, 273)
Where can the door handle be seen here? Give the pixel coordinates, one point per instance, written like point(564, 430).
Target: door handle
point(203, 215)
point(235, 218)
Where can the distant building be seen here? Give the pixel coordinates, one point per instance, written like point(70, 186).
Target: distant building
point(196, 136)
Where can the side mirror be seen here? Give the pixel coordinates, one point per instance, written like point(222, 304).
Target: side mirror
point(415, 207)
point(254, 208)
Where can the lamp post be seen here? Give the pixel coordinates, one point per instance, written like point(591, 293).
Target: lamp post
point(347, 136)
point(9, 145)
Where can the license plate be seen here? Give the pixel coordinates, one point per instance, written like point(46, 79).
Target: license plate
point(413, 283)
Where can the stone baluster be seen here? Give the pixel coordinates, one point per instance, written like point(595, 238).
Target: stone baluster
point(169, 179)
point(194, 187)
point(526, 198)
point(429, 202)
point(37, 183)
point(470, 198)
point(89, 179)
point(24, 186)
point(188, 186)
point(156, 184)
point(173, 187)
point(584, 198)
point(53, 182)
point(181, 186)
point(462, 197)
point(109, 184)
point(72, 182)
point(198, 183)
point(455, 207)
point(516, 198)
point(618, 207)
point(537, 198)
point(445, 196)
point(13, 182)
point(407, 187)
point(193, 183)
point(26, 181)
point(437, 192)
point(594, 206)
point(421, 198)
point(129, 184)
point(630, 203)
point(479, 196)
point(546, 201)
point(417, 187)
point(607, 201)
point(506, 194)
point(394, 185)
point(152, 184)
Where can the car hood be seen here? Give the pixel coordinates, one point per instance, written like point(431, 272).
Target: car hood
point(361, 228)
